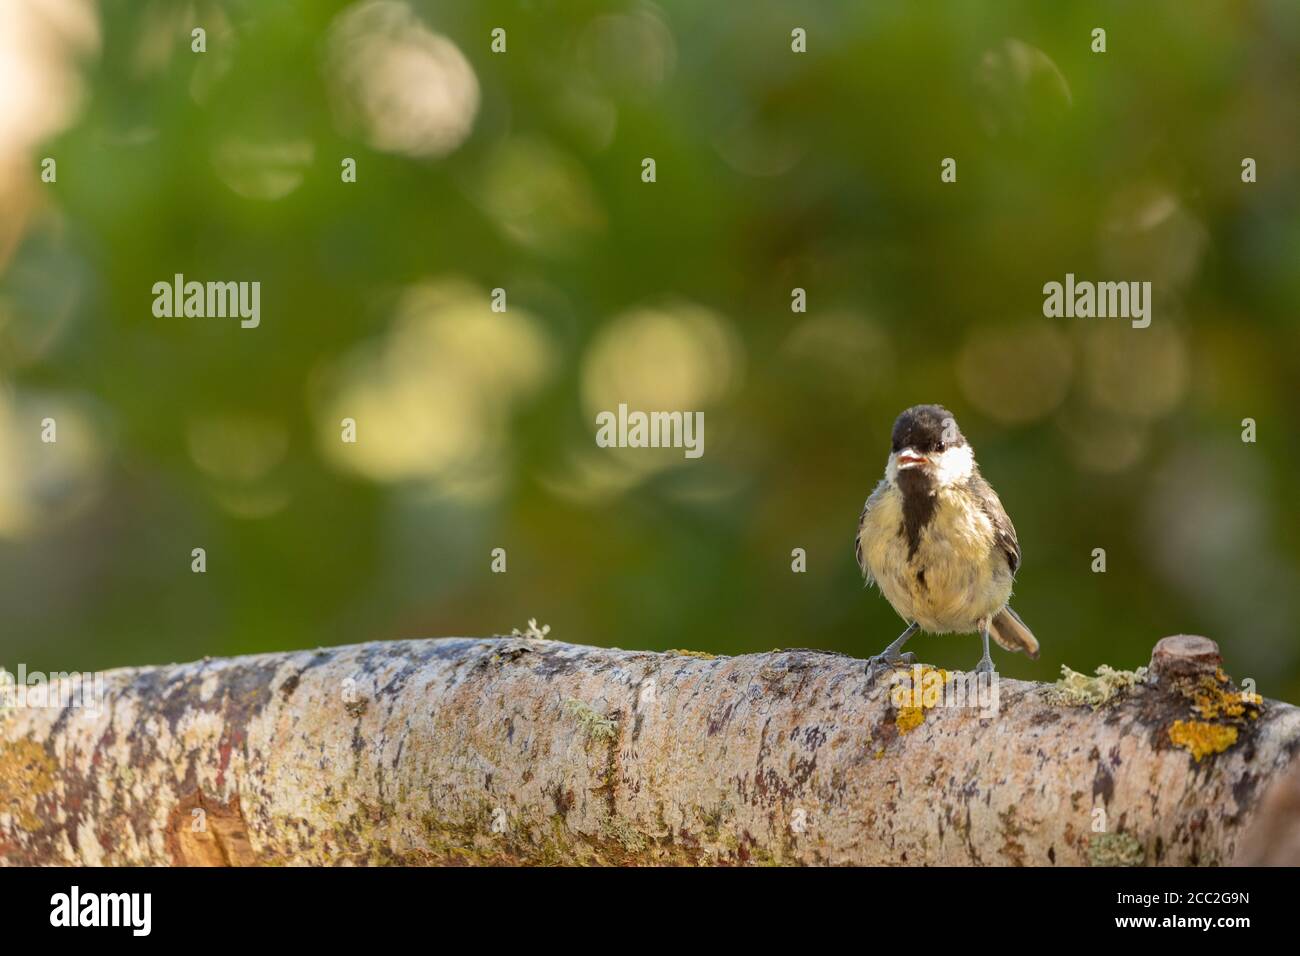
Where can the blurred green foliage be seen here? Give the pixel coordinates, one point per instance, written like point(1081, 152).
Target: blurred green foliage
point(775, 170)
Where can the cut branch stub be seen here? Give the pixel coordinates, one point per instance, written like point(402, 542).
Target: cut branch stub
point(1184, 655)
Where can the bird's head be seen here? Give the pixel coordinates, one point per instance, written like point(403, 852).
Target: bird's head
point(928, 449)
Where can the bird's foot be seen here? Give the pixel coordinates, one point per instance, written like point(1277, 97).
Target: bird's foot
point(882, 662)
point(985, 666)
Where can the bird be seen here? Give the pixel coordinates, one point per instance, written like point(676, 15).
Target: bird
point(935, 539)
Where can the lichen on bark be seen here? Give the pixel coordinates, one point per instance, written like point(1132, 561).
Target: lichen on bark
point(464, 752)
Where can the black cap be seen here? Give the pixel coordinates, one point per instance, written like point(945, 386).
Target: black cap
point(927, 428)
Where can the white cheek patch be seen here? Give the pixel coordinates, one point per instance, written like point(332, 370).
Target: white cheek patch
point(891, 468)
point(955, 464)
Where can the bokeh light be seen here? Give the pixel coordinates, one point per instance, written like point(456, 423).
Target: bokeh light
point(521, 171)
point(407, 89)
point(433, 397)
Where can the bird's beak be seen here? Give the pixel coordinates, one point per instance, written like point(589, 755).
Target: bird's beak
point(910, 458)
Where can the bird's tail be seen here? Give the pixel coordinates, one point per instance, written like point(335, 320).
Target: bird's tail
point(1010, 632)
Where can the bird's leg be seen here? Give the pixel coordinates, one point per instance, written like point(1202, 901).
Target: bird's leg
point(985, 666)
point(890, 657)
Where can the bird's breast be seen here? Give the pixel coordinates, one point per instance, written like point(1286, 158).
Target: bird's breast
point(938, 572)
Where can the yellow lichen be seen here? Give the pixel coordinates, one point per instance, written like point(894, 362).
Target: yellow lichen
point(1075, 689)
point(912, 700)
point(1201, 739)
point(26, 774)
point(682, 652)
point(1214, 697)
point(909, 718)
point(596, 724)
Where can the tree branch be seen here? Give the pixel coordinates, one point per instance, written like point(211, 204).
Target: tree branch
point(514, 750)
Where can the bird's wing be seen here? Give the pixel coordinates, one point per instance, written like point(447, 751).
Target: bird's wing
point(862, 520)
point(1004, 532)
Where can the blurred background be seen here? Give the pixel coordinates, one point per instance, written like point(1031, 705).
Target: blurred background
point(522, 170)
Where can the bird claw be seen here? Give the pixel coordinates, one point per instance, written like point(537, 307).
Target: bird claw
point(880, 662)
point(985, 666)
